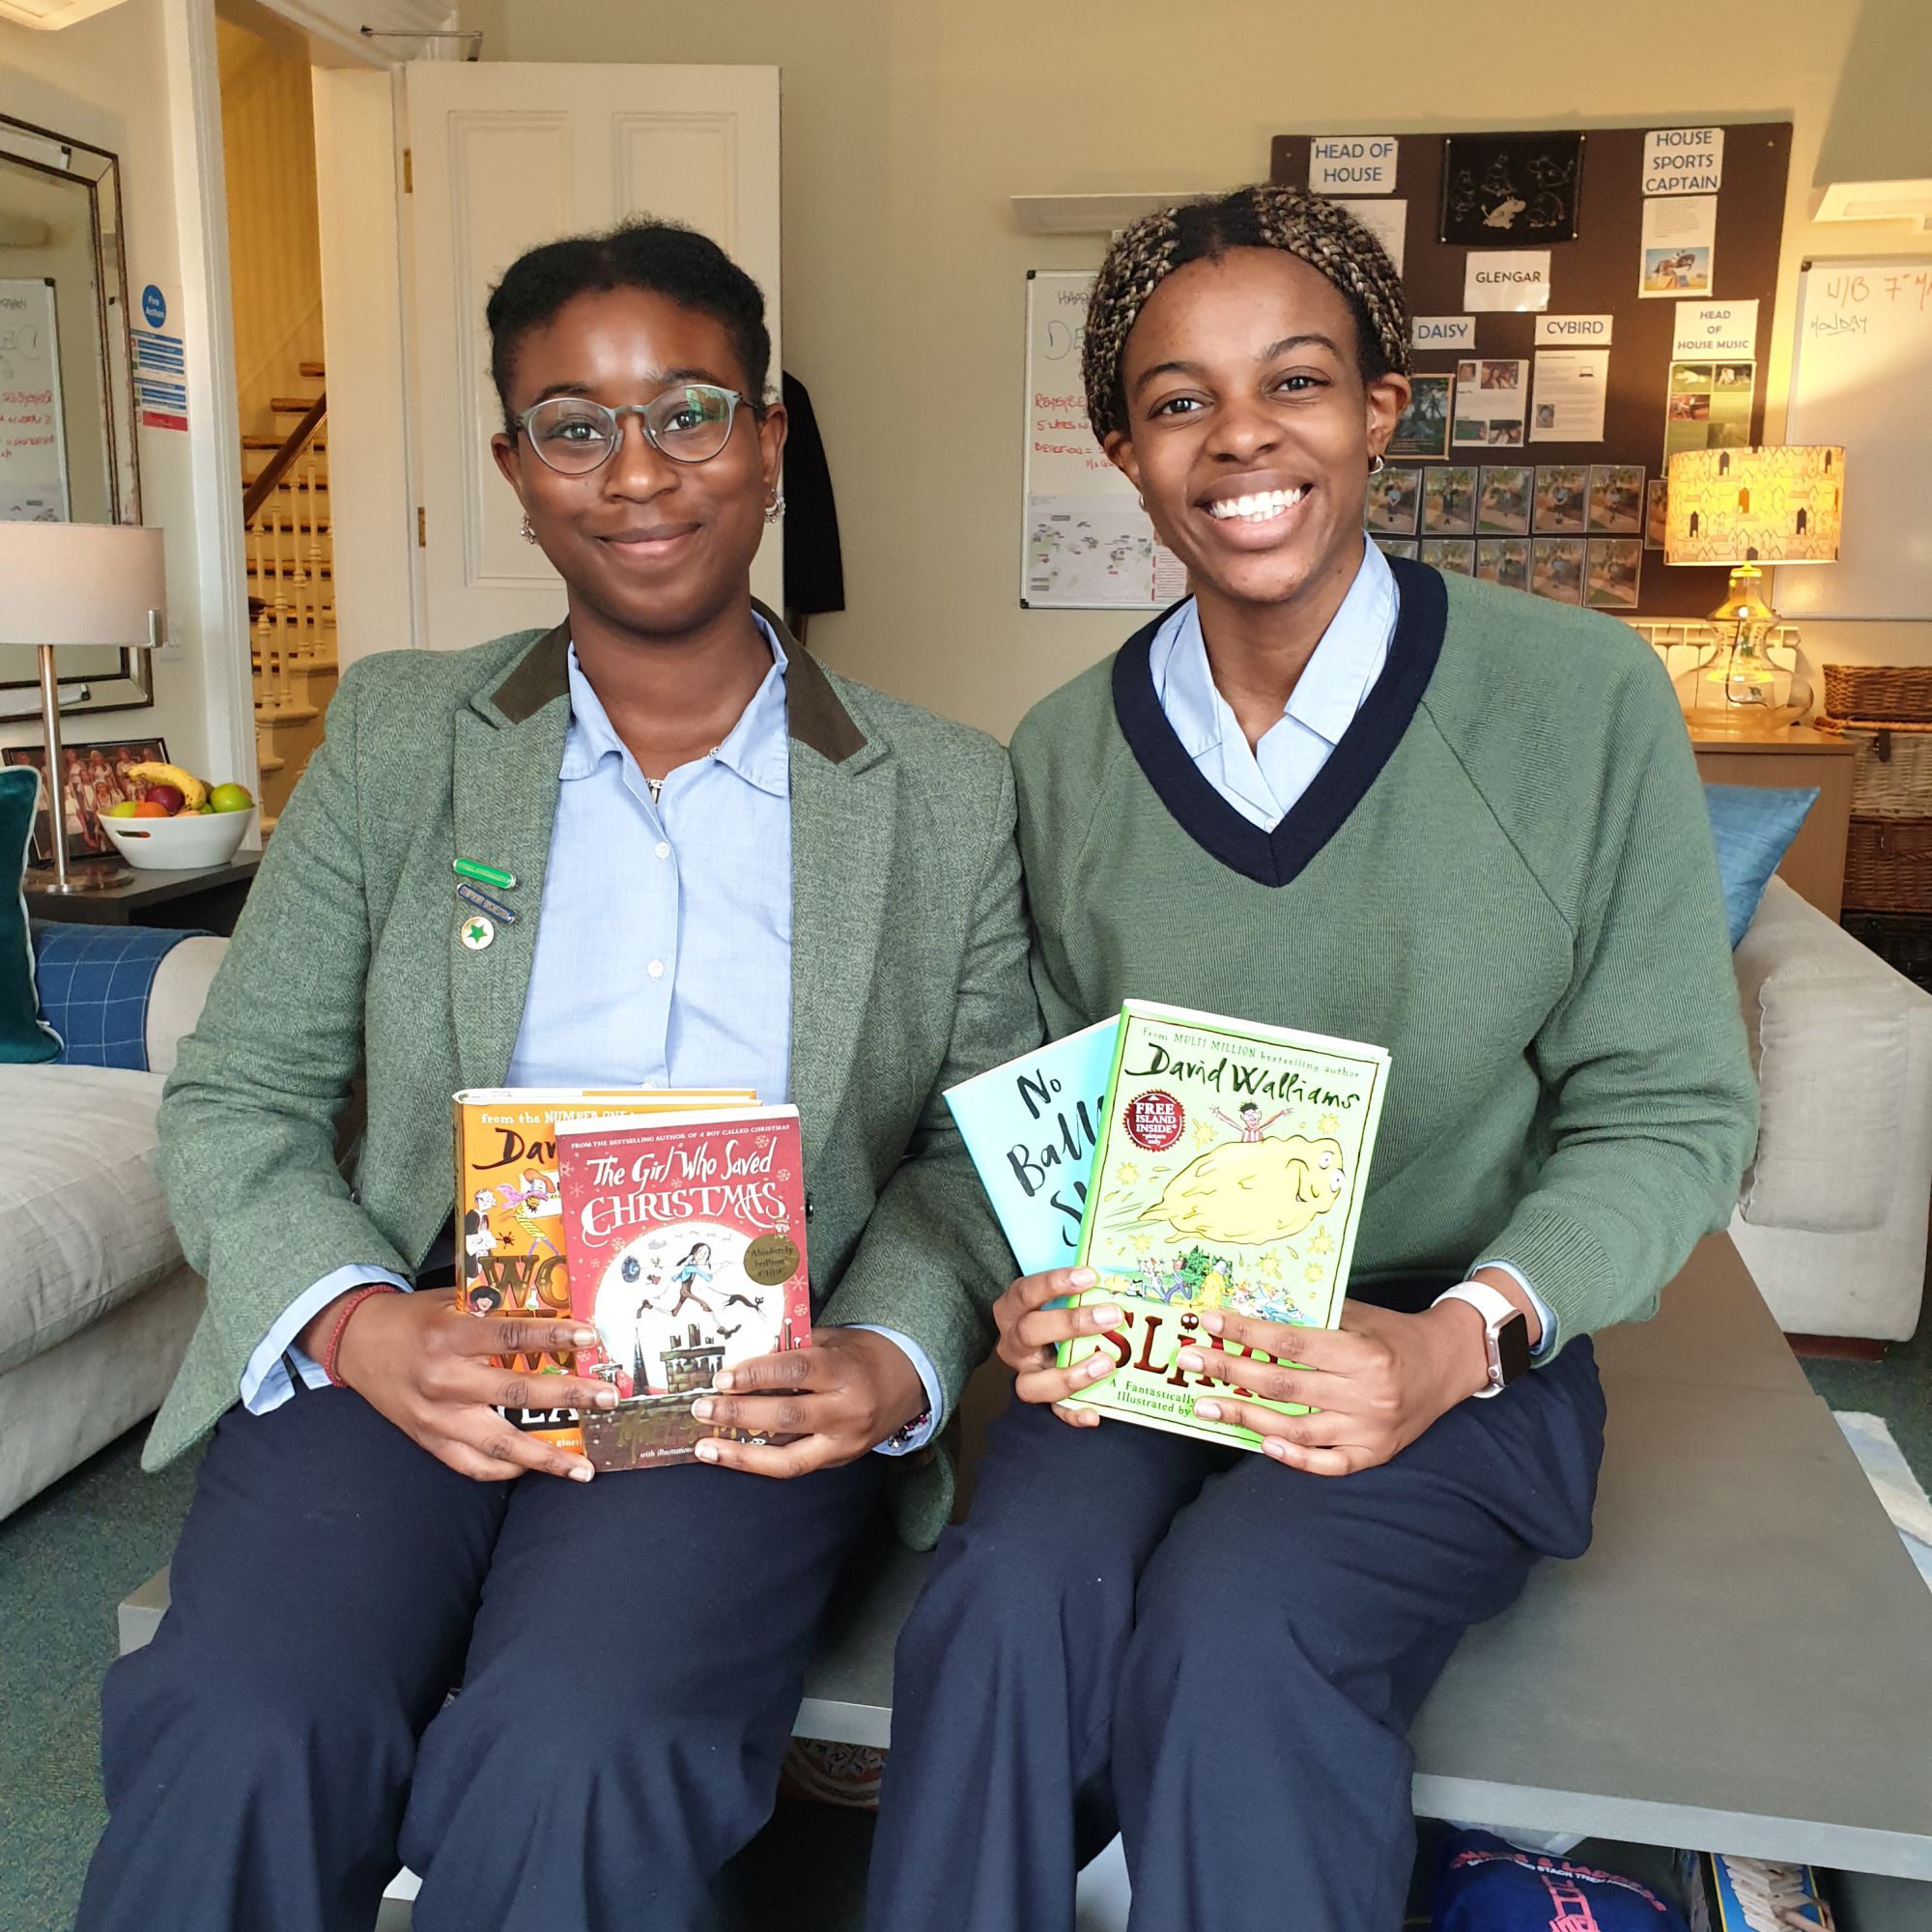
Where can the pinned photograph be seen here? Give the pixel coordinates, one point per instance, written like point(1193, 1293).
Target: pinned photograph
point(1679, 238)
point(1402, 547)
point(1562, 492)
point(1451, 556)
point(1656, 505)
point(1392, 500)
point(1556, 569)
point(1616, 500)
point(1423, 428)
point(1707, 405)
point(1500, 189)
point(1615, 570)
point(1449, 502)
point(1503, 560)
point(1503, 501)
point(1489, 406)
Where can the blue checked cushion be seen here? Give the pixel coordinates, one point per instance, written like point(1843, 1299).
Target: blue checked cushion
point(93, 985)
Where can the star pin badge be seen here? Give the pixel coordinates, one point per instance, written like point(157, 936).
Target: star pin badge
point(476, 932)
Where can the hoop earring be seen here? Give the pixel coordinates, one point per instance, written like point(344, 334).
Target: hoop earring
point(529, 536)
point(775, 508)
point(1376, 464)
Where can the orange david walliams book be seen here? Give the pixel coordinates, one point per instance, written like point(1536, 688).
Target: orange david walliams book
point(1230, 1173)
point(512, 1258)
point(685, 1236)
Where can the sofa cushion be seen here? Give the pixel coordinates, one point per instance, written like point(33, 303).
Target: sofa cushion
point(96, 984)
point(1752, 827)
point(86, 1222)
point(24, 1037)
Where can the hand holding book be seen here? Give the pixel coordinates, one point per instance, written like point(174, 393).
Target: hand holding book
point(1035, 1318)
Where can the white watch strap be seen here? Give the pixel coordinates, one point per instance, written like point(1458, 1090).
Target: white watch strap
point(1496, 1308)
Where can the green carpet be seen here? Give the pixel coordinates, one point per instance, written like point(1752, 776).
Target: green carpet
point(68, 1557)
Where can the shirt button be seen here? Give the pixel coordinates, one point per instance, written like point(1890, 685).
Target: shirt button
point(662, 849)
point(656, 969)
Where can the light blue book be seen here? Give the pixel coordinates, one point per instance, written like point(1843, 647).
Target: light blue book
point(1031, 1128)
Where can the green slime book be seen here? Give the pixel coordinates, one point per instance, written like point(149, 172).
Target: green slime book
point(1232, 1163)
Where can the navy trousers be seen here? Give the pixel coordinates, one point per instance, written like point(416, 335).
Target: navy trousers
point(631, 1652)
point(1219, 1655)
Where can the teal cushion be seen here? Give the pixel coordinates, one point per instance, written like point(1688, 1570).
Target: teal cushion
point(24, 1035)
point(1752, 826)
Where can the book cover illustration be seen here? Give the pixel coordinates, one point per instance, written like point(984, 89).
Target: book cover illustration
point(1230, 1174)
point(686, 1237)
point(1031, 1128)
point(510, 1248)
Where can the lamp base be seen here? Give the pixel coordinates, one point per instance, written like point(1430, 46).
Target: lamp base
point(81, 878)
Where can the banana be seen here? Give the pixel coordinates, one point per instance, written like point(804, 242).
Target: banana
point(190, 787)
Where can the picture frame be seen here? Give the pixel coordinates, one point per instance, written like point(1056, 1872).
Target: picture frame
point(96, 777)
point(1423, 428)
point(1510, 191)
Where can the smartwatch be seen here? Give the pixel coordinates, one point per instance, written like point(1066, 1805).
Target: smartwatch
point(1505, 1332)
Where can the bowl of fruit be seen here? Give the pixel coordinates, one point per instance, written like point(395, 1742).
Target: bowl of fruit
point(180, 822)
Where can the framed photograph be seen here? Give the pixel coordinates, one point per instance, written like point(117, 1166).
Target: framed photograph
point(1562, 489)
point(1503, 560)
point(93, 777)
point(1510, 191)
point(1423, 428)
point(1502, 502)
point(1616, 500)
point(1452, 556)
point(1614, 574)
point(1656, 504)
point(1403, 547)
point(1556, 568)
point(1449, 502)
point(1394, 497)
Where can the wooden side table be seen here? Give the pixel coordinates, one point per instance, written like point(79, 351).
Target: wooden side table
point(204, 897)
point(1814, 866)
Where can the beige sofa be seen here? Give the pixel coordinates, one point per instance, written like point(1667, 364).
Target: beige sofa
point(96, 1302)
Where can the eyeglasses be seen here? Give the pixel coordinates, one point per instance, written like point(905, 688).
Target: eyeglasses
point(574, 436)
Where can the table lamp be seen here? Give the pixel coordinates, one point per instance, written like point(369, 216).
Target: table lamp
point(70, 584)
point(1777, 503)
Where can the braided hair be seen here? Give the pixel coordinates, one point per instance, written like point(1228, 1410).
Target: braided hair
point(1325, 236)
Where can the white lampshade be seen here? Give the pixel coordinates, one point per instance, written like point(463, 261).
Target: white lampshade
point(82, 583)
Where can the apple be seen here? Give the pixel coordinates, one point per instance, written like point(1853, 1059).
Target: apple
point(231, 798)
point(122, 808)
point(169, 798)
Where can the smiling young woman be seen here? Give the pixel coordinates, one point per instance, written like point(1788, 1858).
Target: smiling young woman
point(694, 834)
point(1335, 794)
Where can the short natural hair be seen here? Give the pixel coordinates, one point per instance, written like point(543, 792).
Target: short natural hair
point(1320, 232)
point(662, 258)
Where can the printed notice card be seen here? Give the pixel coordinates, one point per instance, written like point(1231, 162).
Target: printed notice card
point(1230, 1174)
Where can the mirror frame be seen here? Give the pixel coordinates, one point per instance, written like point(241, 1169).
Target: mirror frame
point(97, 170)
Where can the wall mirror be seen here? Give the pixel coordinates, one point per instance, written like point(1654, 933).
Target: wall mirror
point(66, 396)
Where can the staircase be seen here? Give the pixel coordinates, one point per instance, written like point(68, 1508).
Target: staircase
point(291, 588)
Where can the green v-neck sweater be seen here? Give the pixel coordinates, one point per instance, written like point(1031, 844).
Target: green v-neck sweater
point(1503, 874)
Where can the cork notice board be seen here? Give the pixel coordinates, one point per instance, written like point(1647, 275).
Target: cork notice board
point(1598, 273)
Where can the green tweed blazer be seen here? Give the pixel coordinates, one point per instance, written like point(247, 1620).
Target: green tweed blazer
point(909, 972)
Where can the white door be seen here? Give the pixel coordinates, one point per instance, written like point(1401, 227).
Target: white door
point(504, 156)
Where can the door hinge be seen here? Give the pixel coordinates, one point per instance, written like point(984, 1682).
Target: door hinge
point(422, 528)
point(408, 174)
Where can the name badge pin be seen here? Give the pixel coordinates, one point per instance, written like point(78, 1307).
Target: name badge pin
point(483, 875)
point(477, 932)
point(484, 902)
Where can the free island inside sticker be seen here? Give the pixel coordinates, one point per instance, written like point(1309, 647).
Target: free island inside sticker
point(1153, 1120)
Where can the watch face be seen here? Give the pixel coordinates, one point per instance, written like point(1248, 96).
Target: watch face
point(1512, 1349)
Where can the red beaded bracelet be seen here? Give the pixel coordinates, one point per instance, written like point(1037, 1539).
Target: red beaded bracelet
point(349, 1307)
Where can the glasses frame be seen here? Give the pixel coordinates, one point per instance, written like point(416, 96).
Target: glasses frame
point(734, 402)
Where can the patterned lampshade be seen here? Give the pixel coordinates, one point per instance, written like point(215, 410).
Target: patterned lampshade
point(1779, 503)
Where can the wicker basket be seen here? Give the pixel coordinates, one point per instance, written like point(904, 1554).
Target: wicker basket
point(1889, 864)
point(1891, 774)
point(1895, 694)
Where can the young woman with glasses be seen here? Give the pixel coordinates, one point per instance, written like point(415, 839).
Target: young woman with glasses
point(696, 836)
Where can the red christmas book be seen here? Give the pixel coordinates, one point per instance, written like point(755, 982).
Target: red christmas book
point(686, 1239)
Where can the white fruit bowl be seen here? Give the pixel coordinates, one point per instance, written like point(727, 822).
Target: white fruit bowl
point(179, 844)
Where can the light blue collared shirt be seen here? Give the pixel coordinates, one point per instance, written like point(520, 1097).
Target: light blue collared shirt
point(1263, 781)
point(663, 952)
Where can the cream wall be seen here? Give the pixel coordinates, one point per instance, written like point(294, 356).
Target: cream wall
point(103, 82)
point(908, 124)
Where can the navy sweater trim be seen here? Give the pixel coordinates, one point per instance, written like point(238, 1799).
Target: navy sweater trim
point(1278, 856)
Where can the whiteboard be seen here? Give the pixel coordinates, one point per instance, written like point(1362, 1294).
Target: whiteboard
point(1862, 375)
point(1087, 544)
point(32, 436)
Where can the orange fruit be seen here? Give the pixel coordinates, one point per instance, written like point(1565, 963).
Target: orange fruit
point(148, 808)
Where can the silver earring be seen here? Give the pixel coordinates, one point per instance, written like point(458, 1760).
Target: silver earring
point(529, 536)
point(775, 508)
point(1376, 464)
point(1140, 500)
